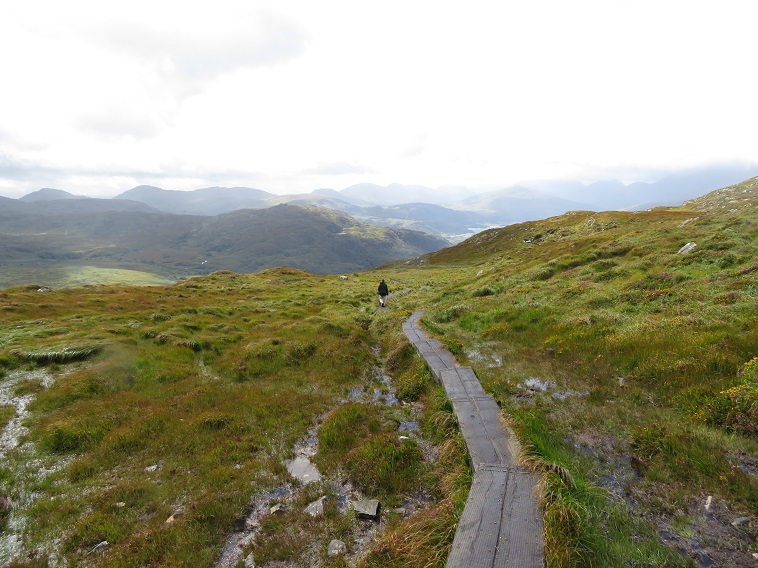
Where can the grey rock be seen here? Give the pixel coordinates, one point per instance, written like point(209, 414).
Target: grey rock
point(741, 521)
point(687, 248)
point(367, 508)
point(100, 547)
point(301, 468)
point(336, 548)
point(278, 509)
point(316, 508)
point(249, 562)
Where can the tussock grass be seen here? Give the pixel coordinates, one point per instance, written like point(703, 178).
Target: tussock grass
point(647, 349)
point(649, 357)
point(65, 355)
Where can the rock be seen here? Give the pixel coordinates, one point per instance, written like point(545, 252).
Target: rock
point(100, 547)
point(120, 504)
point(152, 468)
point(178, 513)
point(316, 508)
point(687, 248)
point(336, 548)
point(741, 522)
point(249, 561)
point(278, 509)
point(367, 509)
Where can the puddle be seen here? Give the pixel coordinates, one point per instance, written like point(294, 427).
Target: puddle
point(377, 389)
point(484, 359)
point(410, 426)
point(30, 470)
point(569, 393)
point(14, 430)
point(534, 384)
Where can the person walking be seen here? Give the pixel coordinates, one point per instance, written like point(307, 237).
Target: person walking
point(384, 291)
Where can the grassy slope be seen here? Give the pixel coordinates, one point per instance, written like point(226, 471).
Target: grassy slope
point(215, 378)
point(655, 350)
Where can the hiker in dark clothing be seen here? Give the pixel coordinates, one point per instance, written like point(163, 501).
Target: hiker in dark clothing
point(383, 293)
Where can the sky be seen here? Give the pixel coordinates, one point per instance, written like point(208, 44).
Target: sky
point(293, 95)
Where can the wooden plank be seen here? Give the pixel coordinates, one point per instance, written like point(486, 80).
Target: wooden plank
point(521, 541)
point(451, 382)
point(501, 524)
point(476, 540)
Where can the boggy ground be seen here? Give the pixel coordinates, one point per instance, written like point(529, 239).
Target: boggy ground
point(629, 369)
point(187, 398)
point(172, 409)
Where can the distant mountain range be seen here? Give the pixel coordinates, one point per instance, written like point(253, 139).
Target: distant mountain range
point(452, 212)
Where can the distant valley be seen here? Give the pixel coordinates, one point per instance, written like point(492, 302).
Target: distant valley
point(173, 234)
point(38, 238)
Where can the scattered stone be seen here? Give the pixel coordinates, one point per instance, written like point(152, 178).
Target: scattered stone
point(249, 561)
point(343, 277)
point(336, 548)
point(100, 547)
point(152, 468)
point(316, 508)
point(400, 511)
point(687, 248)
point(301, 468)
point(278, 509)
point(367, 509)
point(120, 504)
point(741, 521)
point(708, 502)
point(622, 381)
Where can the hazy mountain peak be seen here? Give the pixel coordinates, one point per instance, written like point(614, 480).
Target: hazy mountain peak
point(49, 194)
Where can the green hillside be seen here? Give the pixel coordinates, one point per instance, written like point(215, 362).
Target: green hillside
point(155, 416)
point(53, 248)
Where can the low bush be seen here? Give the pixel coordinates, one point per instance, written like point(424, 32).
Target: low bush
point(385, 465)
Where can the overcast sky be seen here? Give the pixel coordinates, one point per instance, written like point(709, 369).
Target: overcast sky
point(292, 95)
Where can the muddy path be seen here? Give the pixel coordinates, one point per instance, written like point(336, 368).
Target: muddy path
point(376, 388)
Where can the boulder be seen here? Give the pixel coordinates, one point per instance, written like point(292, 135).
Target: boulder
point(316, 508)
point(278, 509)
point(368, 509)
point(336, 548)
point(687, 248)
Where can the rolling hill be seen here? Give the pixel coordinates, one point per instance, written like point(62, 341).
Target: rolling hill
point(160, 420)
point(128, 234)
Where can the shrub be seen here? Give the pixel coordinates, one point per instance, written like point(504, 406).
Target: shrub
point(66, 355)
point(346, 426)
point(735, 409)
point(385, 465)
point(411, 384)
point(482, 292)
point(450, 314)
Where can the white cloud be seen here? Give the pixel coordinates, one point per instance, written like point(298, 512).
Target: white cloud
point(290, 96)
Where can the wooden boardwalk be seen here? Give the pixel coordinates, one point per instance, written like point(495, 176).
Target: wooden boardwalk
point(501, 524)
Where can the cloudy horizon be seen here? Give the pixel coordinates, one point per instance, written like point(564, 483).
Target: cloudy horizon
point(292, 96)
